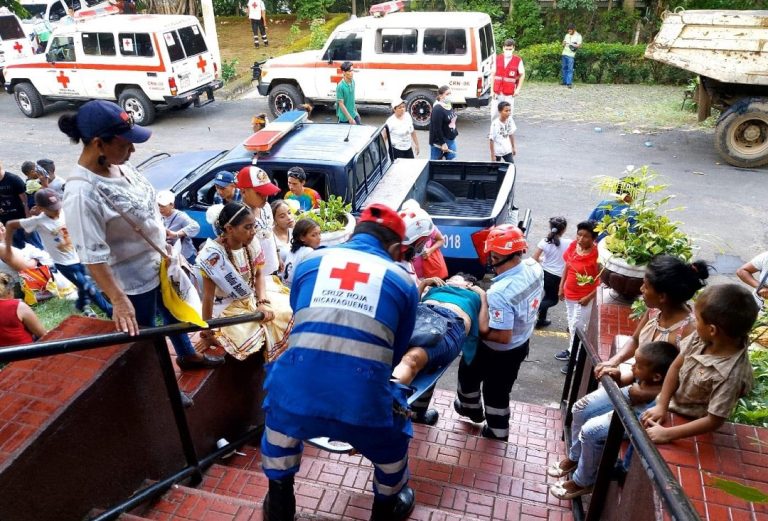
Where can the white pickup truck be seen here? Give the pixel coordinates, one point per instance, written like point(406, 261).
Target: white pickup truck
point(406, 55)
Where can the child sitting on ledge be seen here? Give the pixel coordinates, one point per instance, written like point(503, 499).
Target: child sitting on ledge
point(712, 370)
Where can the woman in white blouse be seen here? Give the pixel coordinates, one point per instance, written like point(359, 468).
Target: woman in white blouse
point(402, 135)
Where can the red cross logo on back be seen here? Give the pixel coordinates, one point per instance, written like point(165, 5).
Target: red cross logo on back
point(63, 79)
point(255, 5)
point(349, 276)
point(201, 63)
point(18, 47)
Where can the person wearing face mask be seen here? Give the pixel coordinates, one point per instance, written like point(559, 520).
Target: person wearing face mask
point(355, 311)
point(442, 126)
point(509, 77)
point(505, 332)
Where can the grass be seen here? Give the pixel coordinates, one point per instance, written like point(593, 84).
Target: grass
point(52, 312)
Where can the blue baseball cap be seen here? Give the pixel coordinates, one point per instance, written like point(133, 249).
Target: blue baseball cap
point(224, 178)
point(99, 118)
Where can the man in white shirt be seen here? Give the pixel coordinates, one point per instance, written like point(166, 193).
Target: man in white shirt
point(571, 42)
point(257, 12)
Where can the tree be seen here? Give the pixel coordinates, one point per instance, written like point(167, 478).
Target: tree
point(14, 6)
point(190, 7)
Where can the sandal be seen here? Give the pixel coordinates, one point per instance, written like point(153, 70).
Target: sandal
point(556, 471)
point(560, 492)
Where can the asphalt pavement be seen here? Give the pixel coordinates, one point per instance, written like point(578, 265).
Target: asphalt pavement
point(556, 162)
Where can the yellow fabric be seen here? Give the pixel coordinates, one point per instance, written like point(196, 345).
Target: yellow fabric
point(278, 329)
point(241, 340)
point(179, 308)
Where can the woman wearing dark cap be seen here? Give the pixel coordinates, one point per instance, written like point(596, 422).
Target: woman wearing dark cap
point(103, 192)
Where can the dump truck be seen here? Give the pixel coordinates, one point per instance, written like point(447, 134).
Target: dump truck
point(728, 50)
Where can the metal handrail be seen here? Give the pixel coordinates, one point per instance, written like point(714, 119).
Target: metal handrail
point(195, 465)
point(666, 485)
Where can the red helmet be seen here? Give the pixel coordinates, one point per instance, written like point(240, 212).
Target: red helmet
point(505, 239)
point(385, 216)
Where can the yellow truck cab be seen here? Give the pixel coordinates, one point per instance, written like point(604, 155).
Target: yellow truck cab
point(140, 61)
point(14, 43)
point(402, 54)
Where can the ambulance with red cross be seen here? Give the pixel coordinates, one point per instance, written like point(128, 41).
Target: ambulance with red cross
point(141, 61)
point(407, 55)
point(14, 43)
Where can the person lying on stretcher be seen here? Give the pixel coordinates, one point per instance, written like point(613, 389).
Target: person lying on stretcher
point(447, 323)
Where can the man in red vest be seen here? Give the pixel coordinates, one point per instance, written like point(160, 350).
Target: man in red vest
point(508, 79)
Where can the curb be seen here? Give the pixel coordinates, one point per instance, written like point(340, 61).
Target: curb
point(235, 88)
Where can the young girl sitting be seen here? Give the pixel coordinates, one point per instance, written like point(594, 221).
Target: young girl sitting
point(18, 323)
point(304, 240)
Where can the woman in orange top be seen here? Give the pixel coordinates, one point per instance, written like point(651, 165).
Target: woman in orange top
point(581, 278)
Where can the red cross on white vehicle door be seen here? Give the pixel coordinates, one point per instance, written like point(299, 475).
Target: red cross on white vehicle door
point(62, 78)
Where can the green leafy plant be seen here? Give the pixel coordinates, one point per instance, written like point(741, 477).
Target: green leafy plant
point(753, 408)
point(643, 230)
point(331, 214)
point(318, 33)
point(295, 31)
point(229, 69)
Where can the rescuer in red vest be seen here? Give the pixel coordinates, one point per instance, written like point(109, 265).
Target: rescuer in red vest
point(508, 80)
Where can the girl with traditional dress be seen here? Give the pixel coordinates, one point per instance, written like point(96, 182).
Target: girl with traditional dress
point(234, 284)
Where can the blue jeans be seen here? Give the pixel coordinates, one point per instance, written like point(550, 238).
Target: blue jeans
point(566, 69)
point(87, 291)
point(147, 306)
point(436, 153)
point(589, 431)
point(20, 238)
point(356, 118)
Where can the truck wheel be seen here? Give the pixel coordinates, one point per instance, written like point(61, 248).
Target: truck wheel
point(284, 98)
point(419, 105)
point(741, 134)
point(29, 100)
point(138, 104)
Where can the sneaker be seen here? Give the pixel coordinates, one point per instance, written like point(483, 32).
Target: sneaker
point(475, 415)
point(543, 323)
point(428, 417)
point(563, 356)
point(564, 369)
point(89, 312)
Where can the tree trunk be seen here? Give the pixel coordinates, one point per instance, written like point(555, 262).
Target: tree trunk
point(511, 8)
point(172, 7)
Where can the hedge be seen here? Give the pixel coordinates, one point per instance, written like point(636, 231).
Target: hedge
point(601, 63)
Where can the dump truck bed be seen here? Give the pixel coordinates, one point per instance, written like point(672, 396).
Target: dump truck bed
point(728, 46)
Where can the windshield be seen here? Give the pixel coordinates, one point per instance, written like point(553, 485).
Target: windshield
point(10, 29)
point(35, 10)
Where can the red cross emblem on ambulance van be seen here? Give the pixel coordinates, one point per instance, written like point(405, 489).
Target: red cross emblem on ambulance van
point(201, 63)
point(349, 276)
point(63, 79)
point(18, 47)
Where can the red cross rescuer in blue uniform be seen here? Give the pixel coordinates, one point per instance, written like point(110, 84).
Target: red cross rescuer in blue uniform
point(354, 315)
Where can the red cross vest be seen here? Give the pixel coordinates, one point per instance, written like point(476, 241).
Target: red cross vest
point(506, 78)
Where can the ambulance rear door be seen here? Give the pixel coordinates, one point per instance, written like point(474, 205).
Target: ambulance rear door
point(62, 78)
point(343, 46)
point(192, 63)
point(14, 44)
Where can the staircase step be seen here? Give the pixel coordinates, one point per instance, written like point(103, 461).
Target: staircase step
point(316, 496)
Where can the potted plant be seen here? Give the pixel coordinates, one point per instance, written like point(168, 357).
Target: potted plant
point(335, 220)
point(638, 233)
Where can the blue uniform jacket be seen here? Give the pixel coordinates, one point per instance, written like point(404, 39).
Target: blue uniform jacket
point(354, 314)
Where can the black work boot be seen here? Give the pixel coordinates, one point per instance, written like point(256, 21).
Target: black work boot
point(428, 417)
point(280, 503)
point(396, 508)
point(475, 415)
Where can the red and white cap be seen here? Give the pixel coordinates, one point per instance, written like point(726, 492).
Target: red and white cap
point(256, 178)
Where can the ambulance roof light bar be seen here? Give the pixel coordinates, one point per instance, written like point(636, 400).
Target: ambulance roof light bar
point(87, 14)
point(387, 7)
point(266, 138)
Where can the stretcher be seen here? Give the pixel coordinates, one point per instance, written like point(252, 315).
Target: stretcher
point(420, 385)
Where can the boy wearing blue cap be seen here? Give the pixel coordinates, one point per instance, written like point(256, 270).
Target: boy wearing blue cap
point(226, 191)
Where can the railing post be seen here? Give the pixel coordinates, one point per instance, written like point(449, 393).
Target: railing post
point(605, 469)
point(180, 417)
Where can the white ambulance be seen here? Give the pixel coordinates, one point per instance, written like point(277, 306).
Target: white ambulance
point(14, 43)
point(141, 61)
point(409, 55)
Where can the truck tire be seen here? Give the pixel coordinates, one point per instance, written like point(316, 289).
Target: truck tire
point(283, 98)
point(419, 103)
point(29, 100)
point(135, 102)
point(741, 134)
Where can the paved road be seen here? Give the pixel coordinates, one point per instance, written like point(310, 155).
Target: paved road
point(556, 162)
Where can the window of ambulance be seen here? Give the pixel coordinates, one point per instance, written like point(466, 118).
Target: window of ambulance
point(396, 41)
point(186, 42)
point(345, 47)
point(136, 44)
point(99, 44)
point(63, 49)
point(10, 29)
point(487, 45)
point(36, 10)
point(445, 41)
point(57, 12)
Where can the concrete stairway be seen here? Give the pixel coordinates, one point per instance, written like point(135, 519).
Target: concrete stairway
point(457, 475)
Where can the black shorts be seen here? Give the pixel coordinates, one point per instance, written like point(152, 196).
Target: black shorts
point(448, 347)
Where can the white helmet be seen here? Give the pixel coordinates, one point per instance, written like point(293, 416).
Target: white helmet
point(418, 224)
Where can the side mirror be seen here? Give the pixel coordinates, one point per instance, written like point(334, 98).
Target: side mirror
point(50, 56)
